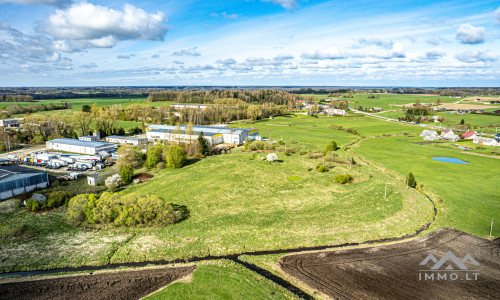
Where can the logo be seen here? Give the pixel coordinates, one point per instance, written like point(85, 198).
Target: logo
point(449, 267)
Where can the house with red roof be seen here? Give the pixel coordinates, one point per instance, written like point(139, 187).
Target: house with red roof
point(469, 135)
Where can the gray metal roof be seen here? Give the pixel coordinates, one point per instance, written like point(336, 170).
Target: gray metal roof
point(205, 129)
point(74, 142)
point(9, 171)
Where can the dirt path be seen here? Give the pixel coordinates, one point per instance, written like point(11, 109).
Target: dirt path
point(107, 285)
point(479, 154)
point(398, 271)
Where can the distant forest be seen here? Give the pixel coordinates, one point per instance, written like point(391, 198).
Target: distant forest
point(279, 95)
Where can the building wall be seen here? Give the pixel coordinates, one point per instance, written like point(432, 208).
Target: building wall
point(185, 138)
point(77, 149)
point(19, 191)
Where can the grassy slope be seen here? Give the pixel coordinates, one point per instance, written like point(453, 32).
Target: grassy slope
point(469, 192)
point(226, 280)
point(240, 205)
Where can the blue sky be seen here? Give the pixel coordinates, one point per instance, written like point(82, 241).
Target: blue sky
point(249, 42)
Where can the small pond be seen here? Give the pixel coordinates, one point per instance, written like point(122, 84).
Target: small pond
point(450, 160)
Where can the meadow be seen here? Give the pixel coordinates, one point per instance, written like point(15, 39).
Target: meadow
point(239, 203)
point(223, 280)
point(468, 194)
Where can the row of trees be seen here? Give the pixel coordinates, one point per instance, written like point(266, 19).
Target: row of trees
point(16, 98)
point(15, 109)
point(278, 97)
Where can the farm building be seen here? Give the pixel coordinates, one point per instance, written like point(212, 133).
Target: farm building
point(429, 135)
point(9, 123)
point(485, 141)
point(15, 180)
point(192, 106)
point(449, 135)
point(79, 146)
point(126, 140)
point(335, 112)
point(229, 135)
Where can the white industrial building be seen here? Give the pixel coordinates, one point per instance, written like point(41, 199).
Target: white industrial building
point(215, 135)
point(96, 137)
point(9, 122)
point(127, 140)
point(15, 180)
point(79, 146)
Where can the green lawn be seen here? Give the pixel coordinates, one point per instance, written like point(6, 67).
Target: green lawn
point(470, 193)
point(224, 280)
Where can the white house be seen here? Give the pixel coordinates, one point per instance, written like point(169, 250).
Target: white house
point(429, 135)
point(449, 135)
point(335, 112)
point(486, 141)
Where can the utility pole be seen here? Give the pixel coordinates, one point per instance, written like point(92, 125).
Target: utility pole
point(491, 227)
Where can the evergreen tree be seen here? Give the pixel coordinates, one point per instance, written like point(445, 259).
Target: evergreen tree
point(411, 181)
point(203, 145)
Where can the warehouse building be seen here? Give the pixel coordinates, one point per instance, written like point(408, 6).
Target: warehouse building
point(9, 123)
point(127, 140)
point(15, 180)
point(229, 135)
point(78, 146)
point(169, 135)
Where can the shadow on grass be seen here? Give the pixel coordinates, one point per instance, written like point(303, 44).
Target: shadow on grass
point(183, 210)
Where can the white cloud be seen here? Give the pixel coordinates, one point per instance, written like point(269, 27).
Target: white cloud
point(331, 53)
point(497, 16)
point(475, 56)
point(288, 4)
point(187, 52)
point(88, 25)
point(433, 54)
point(89, 66)
point(226, 61)
point(125, 56)
point(58, 3)
point(468, 34)
point(377, 42)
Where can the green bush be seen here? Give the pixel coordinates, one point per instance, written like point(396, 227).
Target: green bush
point(332, 146)
point(77, 208)
point(303, 152)
point(126, 173)
point(154, 156)
point(176, 157)
point(320, 168)
point(160, 166)
point(58, 198)
point(343, 179)
point(121, 209)
point(286, 153)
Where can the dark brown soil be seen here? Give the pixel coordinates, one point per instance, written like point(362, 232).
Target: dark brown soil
point(109, 285)
point(394, 271)
point(143, 177)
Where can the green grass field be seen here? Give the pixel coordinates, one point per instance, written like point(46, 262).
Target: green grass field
point(239, 204)
point(469, 193)
point(223, 280)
